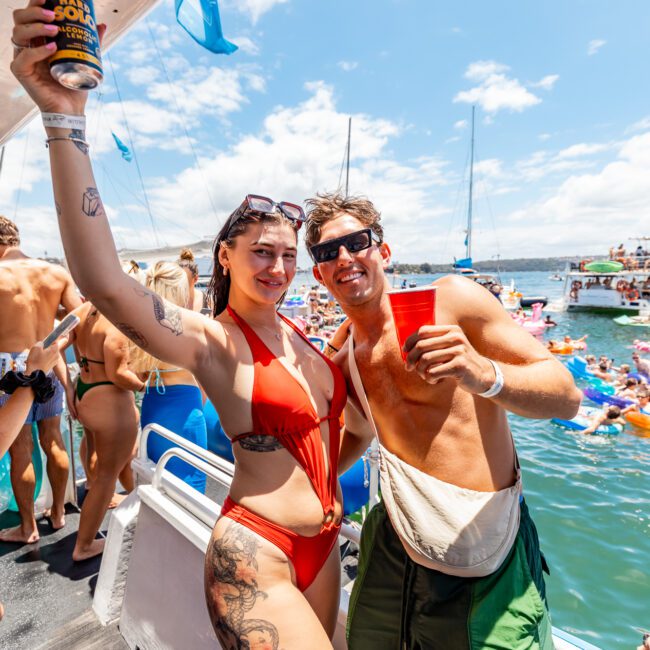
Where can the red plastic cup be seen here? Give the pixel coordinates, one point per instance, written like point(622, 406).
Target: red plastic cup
point(412, 308)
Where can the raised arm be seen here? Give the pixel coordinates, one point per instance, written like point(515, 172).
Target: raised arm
point(168, 332)
point(536, 385)
point(116, 362)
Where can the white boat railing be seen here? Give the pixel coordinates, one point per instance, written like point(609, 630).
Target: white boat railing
point(183, 443)
point(211, 465)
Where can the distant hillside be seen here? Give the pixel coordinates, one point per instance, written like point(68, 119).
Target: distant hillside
point(492, 266)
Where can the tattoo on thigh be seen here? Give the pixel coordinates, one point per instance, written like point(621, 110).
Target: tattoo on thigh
point(231, 566)
point(167, 314)
point(78, 134)
point(132, 333)
point(260, 442)
point(91, 204)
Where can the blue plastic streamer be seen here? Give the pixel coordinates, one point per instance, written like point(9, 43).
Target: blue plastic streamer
point(200, 19)
point(126, 152)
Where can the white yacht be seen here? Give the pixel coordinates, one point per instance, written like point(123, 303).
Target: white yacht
point(609, 285)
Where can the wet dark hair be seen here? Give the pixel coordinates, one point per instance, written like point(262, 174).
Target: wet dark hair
point(613, 412)
point(219, 287)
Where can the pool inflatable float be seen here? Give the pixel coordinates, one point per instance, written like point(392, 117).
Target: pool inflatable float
point(581, 421)
point(607, 266)
point(602, 398)
point(641, 420)
point(634, 321)
point(579, 369)
point(642, 346)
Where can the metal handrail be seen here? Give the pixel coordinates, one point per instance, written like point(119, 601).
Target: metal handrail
point(211, 470)
point(204, 454)
point(347, 531)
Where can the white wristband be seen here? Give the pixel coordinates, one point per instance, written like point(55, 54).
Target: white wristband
point(496, 387)
point(61, 121)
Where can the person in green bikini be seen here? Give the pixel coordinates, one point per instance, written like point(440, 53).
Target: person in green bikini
point(106, 409)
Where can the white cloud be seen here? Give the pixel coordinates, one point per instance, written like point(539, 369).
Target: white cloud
point(600, 206)
point(480, 70)
point(544, 136)
point(348, 66)
point(495, 90)
point(642, 125)
point(254, 8)
point(582, 149)
point(594, 46)
point(246, 44)
point(460, 124)
point(547, 82)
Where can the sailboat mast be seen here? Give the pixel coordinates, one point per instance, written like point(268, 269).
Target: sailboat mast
point(2, 157)
point(347, 168)
point(468, 239)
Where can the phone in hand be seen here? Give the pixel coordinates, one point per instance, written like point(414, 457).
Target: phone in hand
point(66, 325)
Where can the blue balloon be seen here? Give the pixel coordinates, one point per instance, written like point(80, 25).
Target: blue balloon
point(355, 494)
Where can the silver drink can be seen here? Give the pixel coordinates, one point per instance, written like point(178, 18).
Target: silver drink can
point(77, 62)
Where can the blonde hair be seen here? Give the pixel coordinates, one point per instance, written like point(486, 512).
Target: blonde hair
point(186, 261)
point(9, 235)
point(169, 281)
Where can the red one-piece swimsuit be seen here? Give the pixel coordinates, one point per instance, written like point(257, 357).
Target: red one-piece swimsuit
point(281, 408)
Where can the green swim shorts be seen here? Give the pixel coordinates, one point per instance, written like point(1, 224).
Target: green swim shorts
point(397, 604)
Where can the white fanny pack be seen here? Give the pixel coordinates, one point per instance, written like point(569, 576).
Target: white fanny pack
point(454, 530)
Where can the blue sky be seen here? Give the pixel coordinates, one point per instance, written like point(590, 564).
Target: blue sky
point(562, 129)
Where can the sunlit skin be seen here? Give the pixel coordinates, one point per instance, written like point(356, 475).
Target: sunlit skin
point(354, 279)
point(261, 264)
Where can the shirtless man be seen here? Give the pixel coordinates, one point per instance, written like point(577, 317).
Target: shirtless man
point(452, 532)
point(30, 294)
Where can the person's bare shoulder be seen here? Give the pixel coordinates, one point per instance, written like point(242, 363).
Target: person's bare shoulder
point(463, 297)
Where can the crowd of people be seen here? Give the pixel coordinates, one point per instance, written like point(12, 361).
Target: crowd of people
point(632, 260)
point(452, 530)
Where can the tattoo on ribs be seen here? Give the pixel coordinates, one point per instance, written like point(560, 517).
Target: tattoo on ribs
point(78, 134)
point(91, 204)
point(132, 333)
point(233, 591)
point(260, 442)
point(167, 314)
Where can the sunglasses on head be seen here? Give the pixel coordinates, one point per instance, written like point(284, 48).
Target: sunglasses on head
point(355, 242)
point(254, 205)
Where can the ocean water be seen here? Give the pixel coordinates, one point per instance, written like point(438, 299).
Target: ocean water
point(589, 496)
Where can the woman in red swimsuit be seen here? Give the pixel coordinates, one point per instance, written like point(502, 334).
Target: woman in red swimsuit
point(272, 566)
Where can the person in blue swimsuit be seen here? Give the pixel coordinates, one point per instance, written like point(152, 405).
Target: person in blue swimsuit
point(172, 395)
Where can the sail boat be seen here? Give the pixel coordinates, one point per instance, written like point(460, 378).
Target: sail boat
point(510, 297)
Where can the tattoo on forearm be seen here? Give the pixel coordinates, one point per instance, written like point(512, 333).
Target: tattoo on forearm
point(78, 134)
point(260, 442)
point(58, 209)
point(132, 333)
point(91, 204)
point(167, 314)
point(232, 591)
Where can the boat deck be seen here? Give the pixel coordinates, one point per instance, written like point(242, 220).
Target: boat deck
point(47, 596)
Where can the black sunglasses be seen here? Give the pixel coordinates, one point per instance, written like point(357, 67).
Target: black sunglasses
point(254, 205)
point(355, 242)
